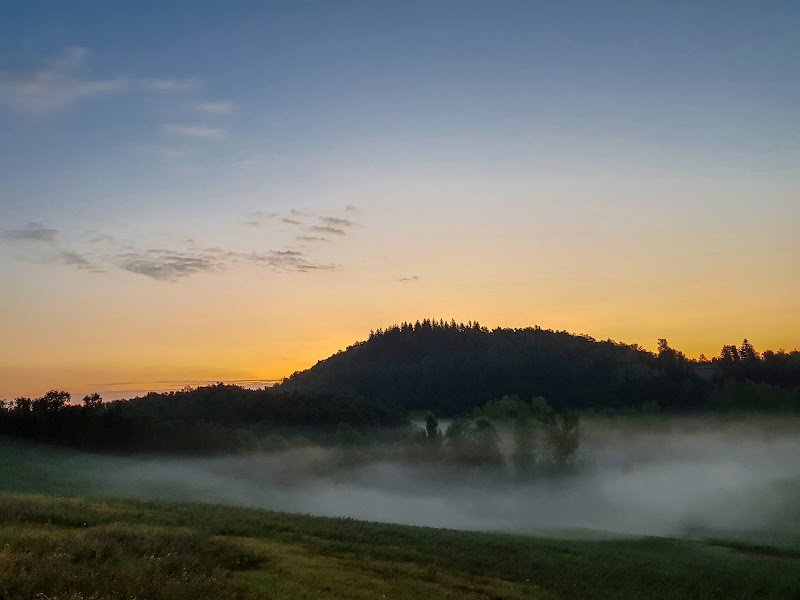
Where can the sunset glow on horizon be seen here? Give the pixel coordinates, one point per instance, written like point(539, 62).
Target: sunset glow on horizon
point(203, 192)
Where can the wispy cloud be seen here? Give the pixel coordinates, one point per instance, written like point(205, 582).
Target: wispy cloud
point(328, 225)
point(69, 59)
point(222, 108)
point(170, 152)
point(32, 232)
point(186, 171)
point(289, 260)
point(76, 260)
point(326, 230)
point(334, 222)
point(195, 131)
point(255, 219)
point(54, 85)
point(169, 85)
point(412, 278)
point(59, 82)
point(166, 265)
point(172, 266)
point(99, 238)
point(98, 252)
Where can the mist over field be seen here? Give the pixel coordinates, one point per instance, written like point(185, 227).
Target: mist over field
point(673, 477)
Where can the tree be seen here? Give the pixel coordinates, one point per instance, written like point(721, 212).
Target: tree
point(432, 428)
point(564, 437)
point(23, 404)
point(524, 457)
point(541, 409)
point(747, 352)
point(729, 354)
point(487, 444)
point(348, 436)
point(92, 401)
point(457, 438)
point(52, 401)
point(669, 359)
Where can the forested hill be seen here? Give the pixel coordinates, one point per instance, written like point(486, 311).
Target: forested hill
point(451, 368)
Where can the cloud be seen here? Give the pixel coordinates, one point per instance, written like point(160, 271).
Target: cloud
point(169, 85)
point(70, 59)
point(166, 265)
point(72, 258)
point(38, 244)
point(327, 227)
point(99, 238)
point(186, 171)
point(171, 265)
point(334, 222)
point(255, 219)
point(412, 278)
point(195, 131)
point(98, 252)
point(33, 232)
point(222, 108)
point(289, 260)
point(54, 85)
point(352, 208)
point(59, 83)
point(170, 152)
point(327, 230)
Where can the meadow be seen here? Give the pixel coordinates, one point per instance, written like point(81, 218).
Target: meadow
point(61, 548)
point(664, 508)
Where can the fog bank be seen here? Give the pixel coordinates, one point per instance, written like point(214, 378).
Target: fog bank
point(670, 478)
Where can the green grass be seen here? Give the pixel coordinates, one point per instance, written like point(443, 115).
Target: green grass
point(77, 548)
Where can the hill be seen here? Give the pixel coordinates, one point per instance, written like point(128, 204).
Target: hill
point(451, 368)
point(366, 392)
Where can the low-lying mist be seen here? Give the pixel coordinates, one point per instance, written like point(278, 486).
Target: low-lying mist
point(673, 477)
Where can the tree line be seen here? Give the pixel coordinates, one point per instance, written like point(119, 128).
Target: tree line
point(451, 368)
point(366, 392)
point(205, 420)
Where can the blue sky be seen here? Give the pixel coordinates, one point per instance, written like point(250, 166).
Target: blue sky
point(595, 161)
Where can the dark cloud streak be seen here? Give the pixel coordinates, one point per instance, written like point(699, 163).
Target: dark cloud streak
point(98, 252)
point(74, 259)
point(165, 265)
point(33, 232)
point(327, 230)
point(334, 222)
point(289, 260)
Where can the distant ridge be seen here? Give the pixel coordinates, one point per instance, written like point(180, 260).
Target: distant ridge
point(453, 367)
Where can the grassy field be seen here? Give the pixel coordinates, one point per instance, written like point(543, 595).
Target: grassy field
point(77, 548)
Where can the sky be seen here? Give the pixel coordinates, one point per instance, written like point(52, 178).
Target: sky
point(205, 191)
